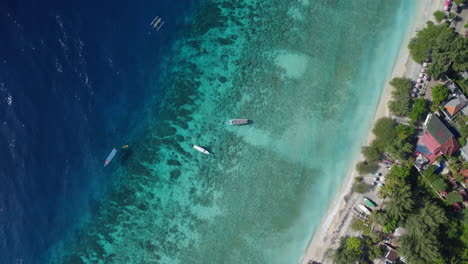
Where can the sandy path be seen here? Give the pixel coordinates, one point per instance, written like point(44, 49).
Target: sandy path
point(339, 216)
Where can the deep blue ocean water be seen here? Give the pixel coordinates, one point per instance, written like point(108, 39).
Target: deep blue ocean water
point(76, 79)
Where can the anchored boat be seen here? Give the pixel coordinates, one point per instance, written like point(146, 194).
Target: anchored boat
point(157, 23)
point(202, 150)
point(110, 157)
point(235, 122)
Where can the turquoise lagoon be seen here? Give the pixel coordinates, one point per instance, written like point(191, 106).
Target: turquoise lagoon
point(308, 73)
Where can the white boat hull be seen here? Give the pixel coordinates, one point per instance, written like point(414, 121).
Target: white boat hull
point(202, 150)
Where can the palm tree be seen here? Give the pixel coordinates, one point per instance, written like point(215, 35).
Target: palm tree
point(401, 203)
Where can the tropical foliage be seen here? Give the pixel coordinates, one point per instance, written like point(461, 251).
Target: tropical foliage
point(400, 103)
point(453, 197)
point(435, 233)
point(420, 244)
point(439, 15)
point(349, 251)
point(439, 94)
point(419, 110)
point(443, 46)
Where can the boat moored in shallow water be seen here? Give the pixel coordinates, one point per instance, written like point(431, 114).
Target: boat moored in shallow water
point(110, 157)
point(235, 122)
point(202, 150)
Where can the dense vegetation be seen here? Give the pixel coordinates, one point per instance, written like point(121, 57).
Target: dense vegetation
point(419, 110)
point(401, 100)
point(443, 46)
point(439, 94)
point(439, 15)
point(424, 204)
point(361, 249)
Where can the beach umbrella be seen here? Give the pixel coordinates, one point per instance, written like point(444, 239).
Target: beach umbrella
point(418, 86)
point(415, 90)
point(418, 80)
point(425, 64)
point(421, 75)
point(423, 70)
point(445, 8)
point(413, 95)
point(425, 77)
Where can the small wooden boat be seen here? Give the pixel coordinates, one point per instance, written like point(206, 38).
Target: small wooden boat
point(236, 122)
point(202, 150)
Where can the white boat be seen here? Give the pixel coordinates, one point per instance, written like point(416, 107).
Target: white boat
point(234, 122)
point(110, 157)
point(202, 150)
point(364, 209)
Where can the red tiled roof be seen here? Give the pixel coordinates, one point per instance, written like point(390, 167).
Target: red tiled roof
point(450, 146)
point(430, 142)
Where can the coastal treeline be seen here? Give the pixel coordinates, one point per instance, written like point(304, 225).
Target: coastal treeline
point(445, 48)
point(424, 203)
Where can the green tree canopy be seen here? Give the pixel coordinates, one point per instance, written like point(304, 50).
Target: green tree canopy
point(459, 2)
point(439, 15)
point(349, 250)
point(443, 46)
point(403, 131)
point(361, 187)
point(459, 54)
point(439, 94)
point(353, 243)
point(453, 197)
point(436, 69)
point(427, 39)
point(371, 153)
point(401, 203)
point(440, 185)
point(365, 167)
point(462, 125)
point(420, 244)
point(400, 149)
point(419, 109)
point(400, 103)
point(396, 178)
point(385, 132)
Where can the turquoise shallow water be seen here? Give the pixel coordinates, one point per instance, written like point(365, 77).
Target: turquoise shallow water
point(308, 73)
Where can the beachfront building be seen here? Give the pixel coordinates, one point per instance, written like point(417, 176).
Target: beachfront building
point(456, 102)
point(437, 140)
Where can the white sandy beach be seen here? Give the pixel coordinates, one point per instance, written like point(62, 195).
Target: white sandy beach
point(336, 222)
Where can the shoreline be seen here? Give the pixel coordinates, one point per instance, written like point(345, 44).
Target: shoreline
point(336, 222)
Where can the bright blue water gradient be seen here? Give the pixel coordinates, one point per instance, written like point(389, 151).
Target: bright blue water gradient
point(76, 79)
